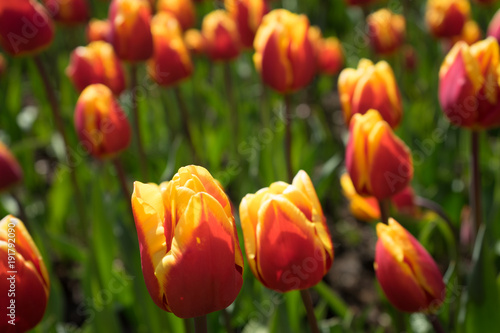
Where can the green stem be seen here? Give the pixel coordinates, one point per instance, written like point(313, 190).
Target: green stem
point(20, 207)
point(120, 172)
point(384, 210)
point(475, 195)
point(436, 208)
point(137, 126)
point(184, 114)
point(233, 110)
point(311, 318)
point(227, 321)
point(436, 324)
point(288, 138)
point(200, 324)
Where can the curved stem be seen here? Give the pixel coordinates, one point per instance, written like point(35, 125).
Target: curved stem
point(436, 324)
point(311, 318)
point(436, 208)
point(288, 138)
point(384, 210)
point(475, 195)
point(137, 126)
point(227, 321)
point(120, 172)
point(20, 207)
point(200, 324)
point(184, 113)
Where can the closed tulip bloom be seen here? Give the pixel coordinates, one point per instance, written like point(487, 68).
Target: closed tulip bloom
point(131, 30)
point(96, 63)
point(221, 35)
point(446, 18)
point(287, 242)
point(31, 279)
point(378, 162)
point(101, 124)
point(171, 61)
point(386, 30)
point(68, 12)
point(406, 272)
point(25, 27)
point(10, 170)
point(248, 15)
point(98, 30)
point(468, 85)
point(284, 55)
point(370, 87)
point(363, 208)
point(183, 10)
point(328, 51)
point(494, 26)
point(471, 33)
point(195, 42)
point(191, 258)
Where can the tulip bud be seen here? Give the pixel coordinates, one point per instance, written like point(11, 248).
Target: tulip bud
point(221, 35)
point(96, 63)
point(10, 170)
point(446, 18)
point(287, 241)
point(25, 27)
point(410, 58)
point(471, 33)
point(130, 29)
point(386, 30)
point(494, 26)
point(370, 87)
point(379, 163)
point(468, 85)
point(98, 30)
point(328, 51)
point(406, 272)
point(248, 15)
point(284, 55)
point(191, 258)
point(171, 61)
point(101, 124)
point(195, 42)
point(363, 208)
point(68, 12)
point(3, 64)
point(24, 280)
point(183, 10)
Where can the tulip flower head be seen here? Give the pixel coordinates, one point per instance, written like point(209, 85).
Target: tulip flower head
point(370, 87)
point(31, 279)
point(10, 170)
point(378, 162)
point(494, 26)
point(471, 33)
point(98, 30)
point(446, 18)
point(101, 124)
point(387, 31)
point(131, 29)
point(191, 258)
point(68, 12)
point(284, 55)
point(287, 242)
point(248, 15)
point(25, 27)
point(221, 36)
point(171, 61)
point(329, 52)
point(183, 10)
point(469, 90)
point(195, 42)
point(406, 272)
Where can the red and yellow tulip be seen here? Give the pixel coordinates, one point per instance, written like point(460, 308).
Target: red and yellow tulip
point(406, 272)
point(221, 36)
point(370, 87)
point(386, 31)
point(191, 258)
point(446, 18)
point(248, 15)
point(10, 170)
point(287, 241)
point(68, 12)
point(98, 30)
point(329, 52)
point(195, 42)
point(183, 10)
point(25, 268)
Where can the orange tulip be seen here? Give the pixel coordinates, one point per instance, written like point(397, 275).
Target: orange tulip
point(10, 170)
point(221, 35)
point(370, 87)
point(24, 280)
point(25, 27)
point(284, 55)
point(101, 124)
point(446, 18)
point(287, 241)
point(171, 61)
point(469, 90)
point(3, 64)
point(378, 162)
point(329, 52)
point(191, 258)
point(386, 30)
point(406, 272)
point(130, 29)
point(195, 42)
point(183, 10)
point(96, 63)
point(98, 30)
point(494, 26)
point(69, 12)
point(248, 15)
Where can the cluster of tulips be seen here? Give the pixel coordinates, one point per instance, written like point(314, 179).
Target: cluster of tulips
point(191, 258)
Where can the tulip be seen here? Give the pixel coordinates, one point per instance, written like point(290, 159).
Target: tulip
point(446, 18)
point(370, 87)
point(130, 29)
point(284, 55)
point(98, 30)
point(406, 272)
point(171, 61)
point(494, 26)
point(183, 10)
point(69, 12)
point(386, 30)
point(96, 63)
point(248, 15)
point(378, 162)
point(195, 42)
point(287, 241)
point(22, 265)
point(221, 35)
point(100, 123)
point(468, 85)
point(25, 27)
point(3, 64)
point(10, 170)
point(191, 258)
point(410, 58)
point(471, 33)
point(329, 52)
